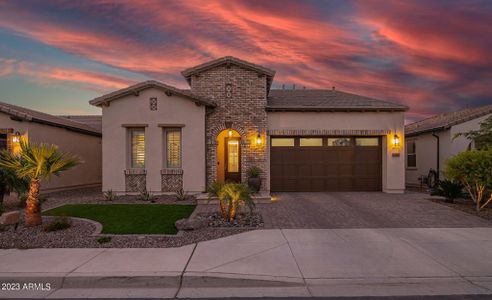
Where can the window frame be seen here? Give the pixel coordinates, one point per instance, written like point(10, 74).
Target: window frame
point(414, 154)
point(166, 131)
point(130, 156)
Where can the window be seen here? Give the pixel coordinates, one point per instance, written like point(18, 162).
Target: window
point(342, 141)
point(173, 147)
point(3, 141)
point(233, 156)
point(373, 141)
point(137, 147)
point(282, 142)
point(411, 155)
point(311, 142)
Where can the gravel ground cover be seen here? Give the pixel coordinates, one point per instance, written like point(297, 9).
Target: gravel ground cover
point(80, 236)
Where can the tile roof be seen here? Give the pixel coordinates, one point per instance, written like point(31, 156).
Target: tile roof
point(136, 88)
point(230, 60)
point(447, 120)
point(94, 121)
point(30, 115)
point(326, 100)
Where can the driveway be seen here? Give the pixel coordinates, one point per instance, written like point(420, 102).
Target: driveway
point(362, 210)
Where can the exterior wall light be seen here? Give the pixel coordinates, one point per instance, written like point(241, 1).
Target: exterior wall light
point(396, 141)
point(16, 138)
point(258, 139)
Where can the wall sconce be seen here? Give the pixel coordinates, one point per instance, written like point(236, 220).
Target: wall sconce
point(16, 138)
point(229, 133)
point(258, 139)
point(396, 141)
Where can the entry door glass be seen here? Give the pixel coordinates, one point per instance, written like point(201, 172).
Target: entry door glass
point(233, 156)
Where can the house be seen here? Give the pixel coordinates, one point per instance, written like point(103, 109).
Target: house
point(161, 138)
point(70, 136)
point(432, 141)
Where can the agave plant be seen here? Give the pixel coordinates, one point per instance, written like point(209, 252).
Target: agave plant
point(231, 195)
point(36, 162)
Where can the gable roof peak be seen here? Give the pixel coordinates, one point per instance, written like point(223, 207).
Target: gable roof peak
point(269, 73)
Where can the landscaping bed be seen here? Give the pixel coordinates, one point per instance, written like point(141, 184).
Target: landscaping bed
point(466, 205)
point(79, 235)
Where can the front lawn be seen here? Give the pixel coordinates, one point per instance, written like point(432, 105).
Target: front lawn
point(128, 218)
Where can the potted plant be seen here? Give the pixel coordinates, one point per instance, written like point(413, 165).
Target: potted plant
point(254, 180)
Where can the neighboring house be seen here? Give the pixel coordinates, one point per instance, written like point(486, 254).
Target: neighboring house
point(432, 141)
point(70, 136)
point(161, 138)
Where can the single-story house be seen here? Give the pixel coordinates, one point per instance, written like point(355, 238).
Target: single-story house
point(430, 142)
point(70, 136)
point(160, 138)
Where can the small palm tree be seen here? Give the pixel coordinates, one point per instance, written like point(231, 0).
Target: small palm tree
point(213, 190)
point(36, 162)
point(233, 194)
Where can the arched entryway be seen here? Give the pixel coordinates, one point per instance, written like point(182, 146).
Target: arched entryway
point(229, 156)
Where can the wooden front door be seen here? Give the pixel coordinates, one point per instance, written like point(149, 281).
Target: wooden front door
point(232, 171)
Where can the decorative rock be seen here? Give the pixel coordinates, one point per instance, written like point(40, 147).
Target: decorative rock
point(190, 224)
point(10, 218)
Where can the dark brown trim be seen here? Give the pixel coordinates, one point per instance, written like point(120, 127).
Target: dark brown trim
point(171, 125)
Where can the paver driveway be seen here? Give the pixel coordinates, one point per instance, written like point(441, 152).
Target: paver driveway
point(362, 210)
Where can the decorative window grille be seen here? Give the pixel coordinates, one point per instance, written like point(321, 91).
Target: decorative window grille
point(153, 103)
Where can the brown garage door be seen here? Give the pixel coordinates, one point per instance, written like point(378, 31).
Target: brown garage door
point(310, 164)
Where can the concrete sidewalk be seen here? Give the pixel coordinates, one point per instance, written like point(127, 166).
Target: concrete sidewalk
point(290, 262)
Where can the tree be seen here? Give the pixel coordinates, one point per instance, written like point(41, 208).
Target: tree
point(36, 162)
point(481, 137)
point(9, 181)
point(473, 169)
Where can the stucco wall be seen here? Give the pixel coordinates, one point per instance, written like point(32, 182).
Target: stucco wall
point(86, 147)
point(426, 147)
point(393, 167)
point(136, 110)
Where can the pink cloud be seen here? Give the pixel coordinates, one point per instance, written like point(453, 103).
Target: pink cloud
point(6, 67)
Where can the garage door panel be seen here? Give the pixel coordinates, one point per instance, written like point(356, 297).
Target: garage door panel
point(326, 168)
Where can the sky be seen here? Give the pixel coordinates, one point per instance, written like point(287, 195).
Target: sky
point(433, 56)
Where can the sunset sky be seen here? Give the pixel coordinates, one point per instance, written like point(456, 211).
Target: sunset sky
point(433, 56)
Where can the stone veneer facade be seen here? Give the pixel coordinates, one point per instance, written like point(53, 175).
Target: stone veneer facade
point(242, 108)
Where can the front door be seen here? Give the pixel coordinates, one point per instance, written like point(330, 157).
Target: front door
point(232, 172)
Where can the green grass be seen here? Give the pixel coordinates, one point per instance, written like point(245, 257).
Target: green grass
point(128, 218)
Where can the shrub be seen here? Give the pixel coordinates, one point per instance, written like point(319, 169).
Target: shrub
point(181, 195)
point(231, 195)
point(253, 172)
point(104, 240)
point(59, 223)
point(146, 196)
point(473, 169)
point(449, 189)
point(109, 195)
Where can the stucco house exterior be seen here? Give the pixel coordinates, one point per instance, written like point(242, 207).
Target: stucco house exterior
point(430, 142)
point(161, 138)
point(70, 136)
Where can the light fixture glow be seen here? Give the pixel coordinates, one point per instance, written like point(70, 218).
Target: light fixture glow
point(16, 137)
point(396, 140)
point(229, 133)
point(258, 139)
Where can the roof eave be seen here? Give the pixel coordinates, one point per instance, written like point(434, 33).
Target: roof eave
point(331, 109)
